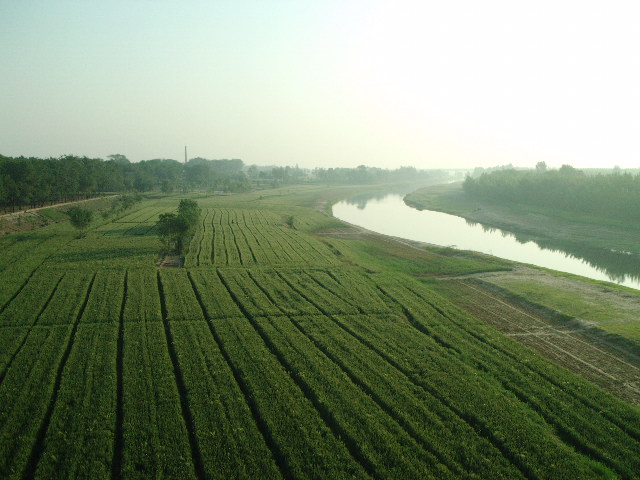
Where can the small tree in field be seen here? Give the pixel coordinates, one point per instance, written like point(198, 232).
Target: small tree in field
point(80, 218)
point(190, 211)
point(175, 229)
point(172, 229)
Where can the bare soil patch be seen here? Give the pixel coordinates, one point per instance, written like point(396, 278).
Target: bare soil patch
point(610, 361)
point(171, 261)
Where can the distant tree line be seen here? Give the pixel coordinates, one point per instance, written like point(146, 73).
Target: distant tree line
point(372, 175)
point(614, 195)
point(33, 182)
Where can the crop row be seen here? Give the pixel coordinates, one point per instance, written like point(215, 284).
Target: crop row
point(435, 427)
point(526, 384)
point(142, 215)
point(19, 261)
point(150, 373)
point(334, 389)
point(31, 384)
point(481, 414)
point(618, 412)
point(106, 252)
point(301, 441)
point(79, 440)
point(259, 218)
point(153, 439)
point(230, 237)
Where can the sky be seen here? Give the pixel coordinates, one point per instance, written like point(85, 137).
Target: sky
point(331, 83)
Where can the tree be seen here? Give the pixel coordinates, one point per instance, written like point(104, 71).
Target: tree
point(80, 218)
point(172, 229)
point(118, 158)
point(190, 211)
point(541, 167)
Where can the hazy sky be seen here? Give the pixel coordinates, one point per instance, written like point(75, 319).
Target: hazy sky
point(324, 83)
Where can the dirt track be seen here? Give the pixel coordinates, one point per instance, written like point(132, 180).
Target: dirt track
point(29, 210)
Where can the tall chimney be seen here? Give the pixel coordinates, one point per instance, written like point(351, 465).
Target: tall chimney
point(185, 154)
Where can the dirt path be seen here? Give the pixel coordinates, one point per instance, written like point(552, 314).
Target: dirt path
point(56, 205)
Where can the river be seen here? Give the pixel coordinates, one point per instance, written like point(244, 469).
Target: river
point(389, 215)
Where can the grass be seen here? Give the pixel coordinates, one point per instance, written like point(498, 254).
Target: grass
point(613, 317)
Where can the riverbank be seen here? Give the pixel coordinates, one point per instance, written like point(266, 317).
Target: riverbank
point(605, 245)
point(546, 227)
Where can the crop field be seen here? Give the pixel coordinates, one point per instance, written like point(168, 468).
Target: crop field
point(269, 355)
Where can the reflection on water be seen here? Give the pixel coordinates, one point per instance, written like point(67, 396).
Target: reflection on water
point(618, 266)
point(388, 214)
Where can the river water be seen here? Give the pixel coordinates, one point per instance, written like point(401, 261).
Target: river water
point(389, 215)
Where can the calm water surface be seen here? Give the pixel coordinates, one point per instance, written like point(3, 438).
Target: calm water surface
point(391, 216)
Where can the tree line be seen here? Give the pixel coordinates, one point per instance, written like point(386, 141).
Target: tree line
point(29, 182)
point(614, 195)
point(372, 175)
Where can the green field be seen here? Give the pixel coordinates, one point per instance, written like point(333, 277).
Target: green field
point(283, 349)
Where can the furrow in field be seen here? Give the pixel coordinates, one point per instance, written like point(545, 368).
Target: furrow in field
point(329, 301)
point(25, 394)
point(11, 346)
point(79, 439)
point(435, 427)
point(236, 247)
point(257, 253)
point(281, 250)
point(39, 445)
point(16, 293)
point(390, 447)
point(475, 404)
point(154, 435)
point(575, 423)
point(249, 254)
point(314, 250)
point(184, 401)
point(116, 461)
point(194, 248)
point(314, 451)
point(561, 411)
point(26, 247)
point(560, 380)
point(354, 291)
point(243, 446)
point(271, 254)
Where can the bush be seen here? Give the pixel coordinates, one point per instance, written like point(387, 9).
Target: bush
point(80, 218)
